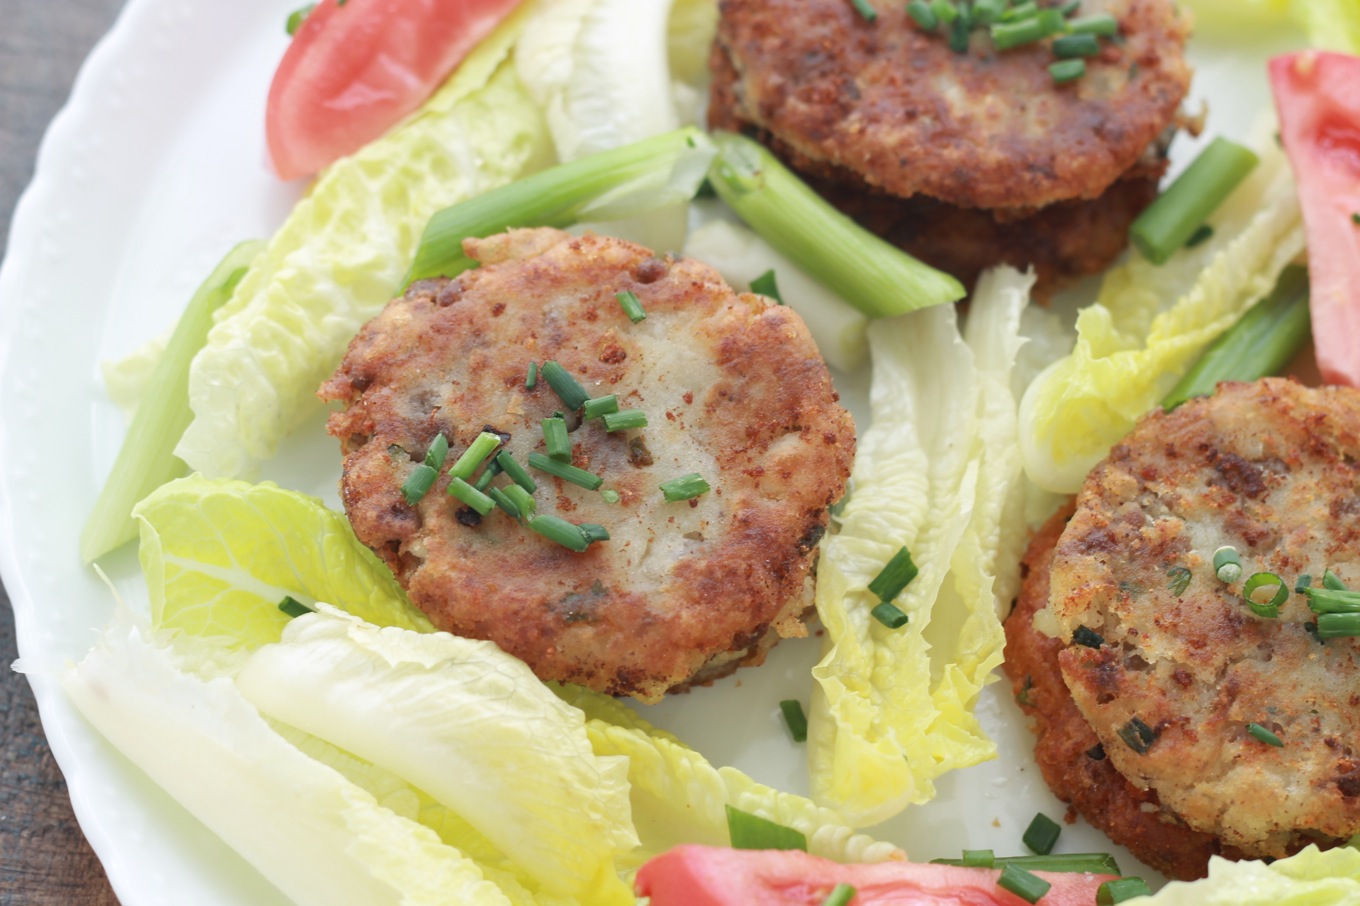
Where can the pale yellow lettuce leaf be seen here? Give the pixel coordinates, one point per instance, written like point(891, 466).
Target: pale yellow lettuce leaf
point(1151, 323)
point(937, 472)
point(1308, 878)
point(220, 555)
point(342, 252)
point(1329, 24)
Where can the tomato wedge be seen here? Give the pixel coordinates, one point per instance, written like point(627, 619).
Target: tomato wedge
point(1317, 95)
point(717, 876)
point(356, 67)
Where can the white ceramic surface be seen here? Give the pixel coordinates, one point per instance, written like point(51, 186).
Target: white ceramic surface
point(156, 167)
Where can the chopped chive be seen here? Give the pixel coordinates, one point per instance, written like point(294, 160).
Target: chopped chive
point(1262, 342)
point(684, 487)
point(510, 466)
point(1026, 886)
point(567, 388)
point(985, 12)
point(1333, 600)
point(1102, 24)
point(1121, 889)
point(531, 380)
point(593, 532)
point(923, 15)
point(1338, 625)
point(1093, 863)
point(555, 438)
point(1261, 733)
point(1019, 11)
point(439, 449)
point(1332, 581)
point(522, 499)
point(1355, 217)
point(1199, 236)
point(1227, 565)
point(1137, 735)
point(840, 895)
point(1006, 35)
point(1052, 21)
point(565, 471)
point(765, 284)
point(1072, 46)
point(794, 717)
point(418, 484)
point(944, 10)
point(475, 455)
point(471, 496)
point(1165, 224)
point(865, 9)
point(748, 831)
point(1305, 580)
point(1087, 637)
point(978, 858)
point(1070, 7)
point(1179, 578)
point(293, 607)
point(889, 614)
point(959, 33)
point(488, 475)
point(1270, 609)
point(504, 502)
point(559, 530)
point(296, 17)
point(1041, 834)
point(609, 495)
point(624, 420)
point(632, 306)
point(896, 574)
point(1065, 71)
point(601, 405)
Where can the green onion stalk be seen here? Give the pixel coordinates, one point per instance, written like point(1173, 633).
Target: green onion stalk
point(147, 459)
point(1169, 222)
point(612, 185)
point(869, 273)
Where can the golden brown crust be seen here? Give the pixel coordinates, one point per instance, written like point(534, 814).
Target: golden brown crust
point(1069, 754)
point(1273, 469)
point(733, 388)
point(985, 129)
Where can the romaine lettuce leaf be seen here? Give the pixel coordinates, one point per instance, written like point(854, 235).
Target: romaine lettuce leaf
point(1308, 878)
point(937, 472)
point(1151, 323)
point(341, 254)
point(219, 556)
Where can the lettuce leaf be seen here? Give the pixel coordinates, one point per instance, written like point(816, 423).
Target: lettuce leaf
point(937, 472)
point(1307, 878)
point(341, 254)
point(1151, 323)
point(219, 556)
point(1329, 24)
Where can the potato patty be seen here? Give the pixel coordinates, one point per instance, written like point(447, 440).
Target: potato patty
point(1179, 666)
point(733, 388)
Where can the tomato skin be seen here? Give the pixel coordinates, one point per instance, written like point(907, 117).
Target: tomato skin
point(356, 67)
point(717, 876)
point(1317, 95)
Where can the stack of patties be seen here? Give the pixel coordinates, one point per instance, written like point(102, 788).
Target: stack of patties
point(964, 159)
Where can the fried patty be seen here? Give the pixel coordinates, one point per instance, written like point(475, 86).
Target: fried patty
point(733, 388)
point(1179, 666)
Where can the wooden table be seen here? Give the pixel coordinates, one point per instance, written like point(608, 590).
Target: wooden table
point(44, 858)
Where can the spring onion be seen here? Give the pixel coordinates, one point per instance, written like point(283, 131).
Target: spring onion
point(840, 895)
point(624, 420)
point(889, 614)
point(1261, 733)
point(471, 496)
point(1168, 222)
point(1332, 581)
point(1179, 577)
point(439, 449)
point(609, 495)
point(874, 276)
point(503, 501)
point(1026, 886)
point(631, 305)
point(1338, 625)
point(1026, 10)
point(684, 487)
point(923, 15)
point(1041, 834)
point(1227, 565)
point(766, 285)
point(493, 468)
point(1006, 35)
point(518, 474)
point(1103, 24)
point(1333, 600)
point(293, 607)
point(895, 575)
point(1304, 581)
point(1087, 637)
point(555, 439)
point(1071, 46)
point(522, 500)
point(1065, 71)
point(560, 531)
point(418, 484)
point(623, 182)
point(601, 405)
point(565, 471)
point(531, 379)
point(1270, 609)
point(476, 453)
point(748, 831)
point(794, 718)
point(985, 12)
point(296, 17)
point(865, 10)
point(567, 388)
point(944, 10)
point(978, 858)
point(146, 459)
point(1121, 889)
point(1137, 735)
point(593, 532)
point(1094, 863)
point(1262, 342)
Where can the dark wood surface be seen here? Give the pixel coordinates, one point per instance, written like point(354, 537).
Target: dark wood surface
point(44, 858)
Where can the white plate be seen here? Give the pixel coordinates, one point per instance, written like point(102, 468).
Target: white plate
point(153, 171)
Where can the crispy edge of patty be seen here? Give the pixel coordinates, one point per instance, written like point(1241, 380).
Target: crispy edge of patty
point(730, 609)
point(1061, 241)
point(1067, 750)
point(999, 134)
